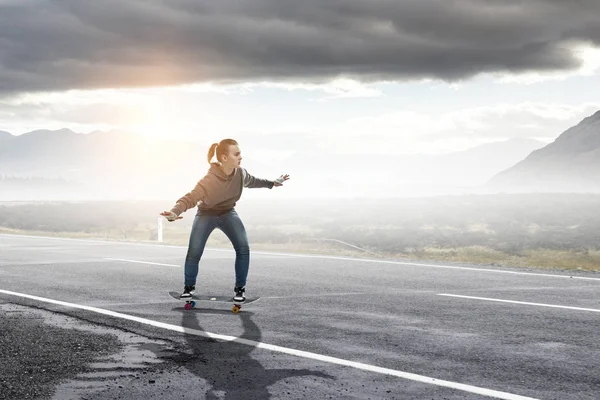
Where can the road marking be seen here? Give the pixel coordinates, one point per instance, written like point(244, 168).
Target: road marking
point(519, 302)
point(295, 296)
point(498, 271)
point(49, 262)
point(366, 260)
point(143, 262)
point(285, 350)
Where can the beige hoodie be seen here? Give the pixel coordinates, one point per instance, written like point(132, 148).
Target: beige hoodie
point(218, 192)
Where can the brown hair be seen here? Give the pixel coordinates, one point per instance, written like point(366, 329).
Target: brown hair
point(221, 149)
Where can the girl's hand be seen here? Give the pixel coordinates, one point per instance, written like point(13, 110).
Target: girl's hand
point(170, 216)
point(279, 181)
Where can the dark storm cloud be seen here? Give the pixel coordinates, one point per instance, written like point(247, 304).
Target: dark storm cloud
point(64, 44)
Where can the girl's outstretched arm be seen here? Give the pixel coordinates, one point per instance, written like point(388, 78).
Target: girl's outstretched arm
point(186, 202)
point(250, 181)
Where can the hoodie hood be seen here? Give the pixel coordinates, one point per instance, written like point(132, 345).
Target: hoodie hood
point(216, 170)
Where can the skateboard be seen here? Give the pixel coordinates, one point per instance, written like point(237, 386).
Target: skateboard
point(215, 299)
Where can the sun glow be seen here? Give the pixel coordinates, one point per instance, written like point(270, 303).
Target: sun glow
point(588, 55)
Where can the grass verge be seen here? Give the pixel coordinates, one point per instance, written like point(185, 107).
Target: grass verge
point(530, 258)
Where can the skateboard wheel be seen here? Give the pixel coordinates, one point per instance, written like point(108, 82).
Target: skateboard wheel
point(235, 309)
point(193, 303)
point(187, 306)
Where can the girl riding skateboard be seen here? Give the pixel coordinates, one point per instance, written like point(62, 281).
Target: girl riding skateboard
point(216, 195)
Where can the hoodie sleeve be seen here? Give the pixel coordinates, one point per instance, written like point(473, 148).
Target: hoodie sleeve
point(250, 181)
point(190, 199)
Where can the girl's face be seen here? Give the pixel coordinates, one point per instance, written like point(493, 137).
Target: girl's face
point(233, 159)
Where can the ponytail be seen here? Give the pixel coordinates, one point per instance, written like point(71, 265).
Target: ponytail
point(220, 149)
point(212, 151)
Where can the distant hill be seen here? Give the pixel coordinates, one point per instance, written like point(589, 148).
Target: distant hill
point(570, 164)
point(407, 175)
point(105, 165)
point(4, 137)
point(102, 165)
point(476, 165)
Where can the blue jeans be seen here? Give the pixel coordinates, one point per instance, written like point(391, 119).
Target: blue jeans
point(231, 225)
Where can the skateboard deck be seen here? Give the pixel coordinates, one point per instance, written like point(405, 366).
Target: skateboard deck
point(189, 303)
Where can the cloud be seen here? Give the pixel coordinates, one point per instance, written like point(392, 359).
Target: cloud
point(590, 64)
point(336, 89)
point(174, 113)
point(410, 131)
point(70, 44)
point(82, 111)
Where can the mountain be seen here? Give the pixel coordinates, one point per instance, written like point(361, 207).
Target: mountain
point(405, 175)
point(569, 164)
point(476, 165)
point(4, 137)
point(99, 165)
point(37, 153)
point(115, 164)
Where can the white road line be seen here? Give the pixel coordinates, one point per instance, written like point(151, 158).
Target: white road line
point(90, 241)
point(49, 262)
point(519, 302)
point(498, 271)
point(366, 260)
point(298, 353)
point(143, 262)
point(313, 295)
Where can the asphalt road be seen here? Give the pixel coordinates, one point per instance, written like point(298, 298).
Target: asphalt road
point(94, 320)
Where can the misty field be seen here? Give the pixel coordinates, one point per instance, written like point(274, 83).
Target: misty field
point(550, 230)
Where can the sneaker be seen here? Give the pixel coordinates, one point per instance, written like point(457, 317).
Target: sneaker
point(239, 294)
point(188, 291)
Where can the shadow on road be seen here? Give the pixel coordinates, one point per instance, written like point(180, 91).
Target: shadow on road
point(228, 367)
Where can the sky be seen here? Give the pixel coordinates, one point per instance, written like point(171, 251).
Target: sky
point(282, 76)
